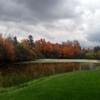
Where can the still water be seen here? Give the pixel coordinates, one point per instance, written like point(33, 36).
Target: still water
point(15, 74)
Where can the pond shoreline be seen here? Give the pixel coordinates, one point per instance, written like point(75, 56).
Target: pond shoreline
point(59, 61)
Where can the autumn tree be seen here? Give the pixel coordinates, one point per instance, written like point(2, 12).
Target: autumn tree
point(9, 49)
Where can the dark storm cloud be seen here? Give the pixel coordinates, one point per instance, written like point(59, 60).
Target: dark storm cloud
point(37, 10)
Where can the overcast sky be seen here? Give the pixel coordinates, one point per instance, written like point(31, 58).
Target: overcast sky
point(54, 20)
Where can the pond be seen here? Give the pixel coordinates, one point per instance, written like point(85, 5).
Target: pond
point(15, 74)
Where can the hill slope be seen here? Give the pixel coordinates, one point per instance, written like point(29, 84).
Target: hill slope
point(69, 86)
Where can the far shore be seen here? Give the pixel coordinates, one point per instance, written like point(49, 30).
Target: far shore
point(60, 61)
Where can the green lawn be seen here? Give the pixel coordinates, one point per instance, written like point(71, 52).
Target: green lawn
point(68, 86)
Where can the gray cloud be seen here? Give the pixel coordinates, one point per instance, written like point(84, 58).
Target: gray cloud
point(37, 10)
point(58, 20)
point(95, 37)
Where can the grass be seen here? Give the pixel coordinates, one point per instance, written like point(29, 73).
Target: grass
point(69, 86)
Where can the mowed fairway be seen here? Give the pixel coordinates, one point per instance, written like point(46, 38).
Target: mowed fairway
point(69, 86)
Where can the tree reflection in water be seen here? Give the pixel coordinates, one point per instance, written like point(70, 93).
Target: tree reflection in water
point(15, 74)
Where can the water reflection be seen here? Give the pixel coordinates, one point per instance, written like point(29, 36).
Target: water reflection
point(15, 74)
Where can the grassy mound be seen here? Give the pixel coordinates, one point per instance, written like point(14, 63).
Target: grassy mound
point(69, 86)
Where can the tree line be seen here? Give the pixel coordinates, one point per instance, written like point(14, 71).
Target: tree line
point(11, 50)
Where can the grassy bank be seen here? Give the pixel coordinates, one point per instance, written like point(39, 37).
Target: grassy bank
point(69, 86)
